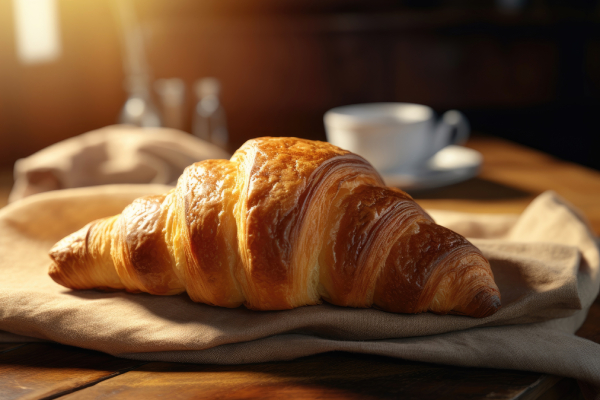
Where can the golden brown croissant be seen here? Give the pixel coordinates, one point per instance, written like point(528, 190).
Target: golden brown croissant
point(285, 223)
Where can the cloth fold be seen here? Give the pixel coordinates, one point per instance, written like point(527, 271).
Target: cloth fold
point(545, 261)
point(113, 154)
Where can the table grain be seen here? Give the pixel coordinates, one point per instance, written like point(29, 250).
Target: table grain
point(510, 178)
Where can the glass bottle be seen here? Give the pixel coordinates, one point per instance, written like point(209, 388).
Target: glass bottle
point(209, 116)
point(139, 109)
point(171, 93)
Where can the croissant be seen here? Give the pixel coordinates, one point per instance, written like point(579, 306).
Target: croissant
point(285, 223)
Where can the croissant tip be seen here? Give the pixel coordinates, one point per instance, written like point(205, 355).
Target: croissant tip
point(486, 303)
point(55, 273)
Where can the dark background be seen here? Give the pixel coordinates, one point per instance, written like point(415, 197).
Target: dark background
point(531, 75)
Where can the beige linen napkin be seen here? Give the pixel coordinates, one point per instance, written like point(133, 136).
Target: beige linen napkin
point(114, 154)
point(545, 261)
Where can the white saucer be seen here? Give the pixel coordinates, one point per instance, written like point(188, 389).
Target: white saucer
point(450, 165)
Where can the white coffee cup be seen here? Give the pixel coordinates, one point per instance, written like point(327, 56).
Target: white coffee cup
point(394, 136)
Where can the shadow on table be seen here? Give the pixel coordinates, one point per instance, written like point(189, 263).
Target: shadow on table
point(340, 375)
point(56, 369)
point(473, 189)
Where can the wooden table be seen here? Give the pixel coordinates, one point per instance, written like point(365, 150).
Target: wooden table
point(511, 177)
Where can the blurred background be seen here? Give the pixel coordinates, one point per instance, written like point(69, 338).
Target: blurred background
point(525, 70)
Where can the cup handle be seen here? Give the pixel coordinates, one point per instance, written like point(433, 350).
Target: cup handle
point(453, 128)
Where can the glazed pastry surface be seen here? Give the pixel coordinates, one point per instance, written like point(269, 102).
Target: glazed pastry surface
point(285, 223)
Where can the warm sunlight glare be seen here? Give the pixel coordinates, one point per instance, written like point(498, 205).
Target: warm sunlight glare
point(37, 30)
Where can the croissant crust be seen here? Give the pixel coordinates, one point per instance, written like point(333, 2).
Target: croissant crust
point(286, 222)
